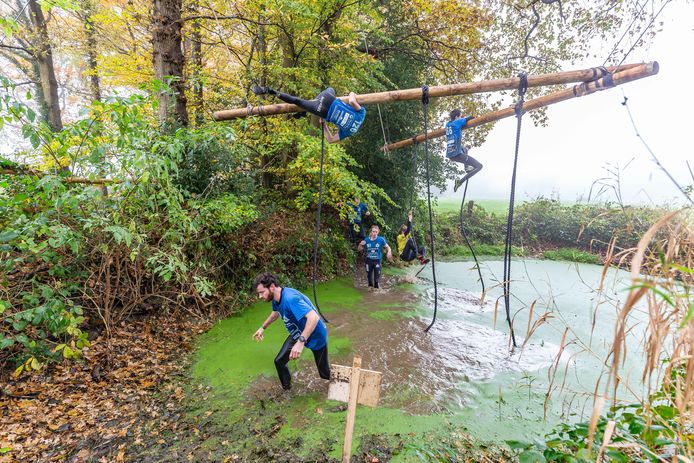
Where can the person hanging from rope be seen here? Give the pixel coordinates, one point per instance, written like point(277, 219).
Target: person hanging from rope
point(374, 245)
point(347, 117)
point(455, 151)
point(306, 329)
point(407, 246)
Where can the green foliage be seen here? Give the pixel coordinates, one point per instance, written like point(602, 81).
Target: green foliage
point(572, 255)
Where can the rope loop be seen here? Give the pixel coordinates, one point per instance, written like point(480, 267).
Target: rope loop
point(425, 94)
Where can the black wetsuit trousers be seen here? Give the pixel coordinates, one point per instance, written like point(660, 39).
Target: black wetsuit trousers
point(320, 356)
point(411, 251)
point(318, 106)
point(373, 272)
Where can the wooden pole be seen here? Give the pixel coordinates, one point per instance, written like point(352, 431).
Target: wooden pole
point(85, 180)
point(586, 88)
point(483, 86)
point(351, 409)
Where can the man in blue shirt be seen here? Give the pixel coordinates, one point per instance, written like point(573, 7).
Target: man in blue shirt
point(306, 329)
point(347, 117)
point(374, 245)
point(455, 151)
point(360, 212)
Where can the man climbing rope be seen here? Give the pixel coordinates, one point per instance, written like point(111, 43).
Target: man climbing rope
point(455, 151)
point(407, 246)
point(374, 253)
point(306, 329)
point(347, 117)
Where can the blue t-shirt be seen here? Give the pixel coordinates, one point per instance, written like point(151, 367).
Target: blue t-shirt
point(374, 248)
point(346, 118)
point(359, 211)
point(454, 137)
point(293, 307)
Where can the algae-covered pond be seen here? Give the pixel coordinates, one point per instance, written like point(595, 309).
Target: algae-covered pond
point(459, 374)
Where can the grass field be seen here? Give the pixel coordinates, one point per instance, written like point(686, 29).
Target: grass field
point(497, 206)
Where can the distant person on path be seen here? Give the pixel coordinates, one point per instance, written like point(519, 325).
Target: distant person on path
point(407, 247)
point(347, 117)
point(374, 245)
point(455, 151)
point(360, 212)
point(306, 329)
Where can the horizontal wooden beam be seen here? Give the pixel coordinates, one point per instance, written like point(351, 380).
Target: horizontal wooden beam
point(557, 78)
point(84, 180)
point(586, 88)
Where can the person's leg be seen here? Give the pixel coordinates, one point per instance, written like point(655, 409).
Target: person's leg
point(410, 251)
point(321, 358)
point(318, 106)
point(370, 272)
point(377, 273)
point(476, 167)
point(281, 361)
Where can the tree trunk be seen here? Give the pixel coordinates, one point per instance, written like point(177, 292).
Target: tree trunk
point(167, 57)
point(44, 62)
point(196, 62)
point(266, 177)
point(90, 35)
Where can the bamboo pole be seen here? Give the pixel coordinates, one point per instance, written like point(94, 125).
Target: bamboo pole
point(84, 180)
point(586, 88)
point(583, 75)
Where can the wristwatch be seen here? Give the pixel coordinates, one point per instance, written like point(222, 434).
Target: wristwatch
point(301, 339)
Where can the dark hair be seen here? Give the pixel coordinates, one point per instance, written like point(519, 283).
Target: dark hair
point(266, 279)
point(455, 114)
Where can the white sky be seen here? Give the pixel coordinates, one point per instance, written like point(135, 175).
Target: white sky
point(586, 135)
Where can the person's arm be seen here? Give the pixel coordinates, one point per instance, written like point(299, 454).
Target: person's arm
point(330, 136)
point(389, 252)
point(258, 336)
point(361, 245)
point(409, 223)
point(352, 100)
point(311, 322)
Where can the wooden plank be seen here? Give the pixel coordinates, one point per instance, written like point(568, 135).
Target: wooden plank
point(631, 74)
point(495, 85)
point(369, 385)
point(351, 409)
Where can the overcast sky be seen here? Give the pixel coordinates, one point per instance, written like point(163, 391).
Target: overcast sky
point(587, 135)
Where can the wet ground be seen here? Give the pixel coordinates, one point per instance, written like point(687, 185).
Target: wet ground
point(463, 371)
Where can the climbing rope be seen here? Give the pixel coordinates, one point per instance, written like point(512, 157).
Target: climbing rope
point(467, 241)
point(320, 203)
point(425, 108)
point(522, 87)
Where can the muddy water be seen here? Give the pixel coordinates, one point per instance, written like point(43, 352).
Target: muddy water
point(462, 371)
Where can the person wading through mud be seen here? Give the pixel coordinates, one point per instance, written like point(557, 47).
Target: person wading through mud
point(374, 245)
point(306, 329)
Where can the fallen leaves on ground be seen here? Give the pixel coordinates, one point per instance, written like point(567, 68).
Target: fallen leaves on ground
point(87, 411)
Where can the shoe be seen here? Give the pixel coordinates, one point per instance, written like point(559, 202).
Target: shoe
point(258, 90)
point(424, 261)
point(458, 182)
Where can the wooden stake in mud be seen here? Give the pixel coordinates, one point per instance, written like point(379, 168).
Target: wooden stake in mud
point(351, 408)
point(354, 386)
point(557, 78)
point(633, 73)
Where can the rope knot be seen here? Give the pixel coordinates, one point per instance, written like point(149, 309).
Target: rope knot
point(522, 88)
point(425, 94)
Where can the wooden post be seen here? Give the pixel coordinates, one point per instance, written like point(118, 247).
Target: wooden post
point(351, 409)
point(584, 75)
point(586, 88)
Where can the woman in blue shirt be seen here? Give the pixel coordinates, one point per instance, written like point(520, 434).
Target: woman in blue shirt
point(347, 117)
point(455, 151)
point(374, 245)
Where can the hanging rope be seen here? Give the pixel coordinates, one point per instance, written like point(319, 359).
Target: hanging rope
point(320, 203)
point(425, 109)
point(467, 241)
point(522, 87)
